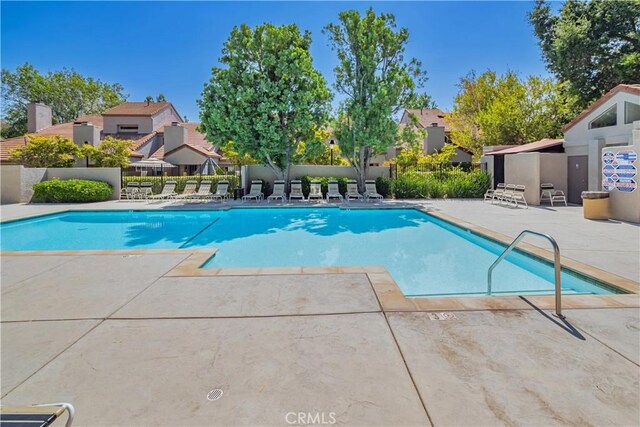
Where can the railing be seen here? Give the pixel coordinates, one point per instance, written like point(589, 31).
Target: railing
point(556, 265)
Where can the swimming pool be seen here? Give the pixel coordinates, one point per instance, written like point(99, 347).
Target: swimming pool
point(425, 255)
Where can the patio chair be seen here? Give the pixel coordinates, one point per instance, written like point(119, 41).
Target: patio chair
point(256, 191)
point(505, 195)
point(315, 190)
point(352, 191)
point(516, 197)
point(131, 190)
point(168, 191)
point(495, 194)
point(36, 415)
point(222, 191)
point(296, 190)
point(278, 192)
point(333, 191)
point(371, 191)
point(204, 191)
point(146, 189)
point(550, 194)
point(189, 189)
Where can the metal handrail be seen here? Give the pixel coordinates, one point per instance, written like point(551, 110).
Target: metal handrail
point(556, 265)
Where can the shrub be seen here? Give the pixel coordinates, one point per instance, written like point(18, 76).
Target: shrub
point(455, 184)
point(383, 185)
point(158, 181)
point(72, 190)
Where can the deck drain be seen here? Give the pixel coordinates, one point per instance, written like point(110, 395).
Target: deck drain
point(442, 316)
point(215, 394)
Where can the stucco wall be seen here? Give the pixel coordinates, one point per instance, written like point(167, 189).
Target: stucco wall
point(110, 175)
point(185, 156)
point(297, 171)
point(626, 206)
point(553, 169)
point(17, 182)
point(110, 123)
point(524, 168)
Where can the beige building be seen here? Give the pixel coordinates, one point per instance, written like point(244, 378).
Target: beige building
point(156, 128)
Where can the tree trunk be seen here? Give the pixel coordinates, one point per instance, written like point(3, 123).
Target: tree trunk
point(362, 168)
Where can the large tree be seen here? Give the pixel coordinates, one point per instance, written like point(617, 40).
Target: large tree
point(267, 98)
point(504, 110)
point(68, 93)
point(46, 152)
point(591, 46)
point(375, 79)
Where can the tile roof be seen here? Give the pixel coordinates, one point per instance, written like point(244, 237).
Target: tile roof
point(528, 148)
point(195, 140)
point(428, 116)
point(137, 109)
point(630, 88)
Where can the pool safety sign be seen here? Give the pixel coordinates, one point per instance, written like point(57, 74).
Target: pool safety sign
point(619, 170)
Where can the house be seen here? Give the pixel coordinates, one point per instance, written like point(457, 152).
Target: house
point(156, 128)
point(438, 132)
point(608, 122)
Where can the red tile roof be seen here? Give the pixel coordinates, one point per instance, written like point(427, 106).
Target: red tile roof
point(137, 109)
point(528, 148)
point(634, 88)
point(428, 116)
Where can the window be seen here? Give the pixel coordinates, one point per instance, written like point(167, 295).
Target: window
point(631, 112)
point(128, 128)
point(608, 118)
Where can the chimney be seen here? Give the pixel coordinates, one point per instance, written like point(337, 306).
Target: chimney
point(86, 133)
point(174, 136)
point(38, 117)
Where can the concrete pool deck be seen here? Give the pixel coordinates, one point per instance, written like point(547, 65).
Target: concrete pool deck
point(129, 344)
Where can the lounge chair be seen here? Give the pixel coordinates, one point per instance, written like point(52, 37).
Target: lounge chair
point(495, 194)
point(516, 197)
point(168, 191)
point(131, 190)
point(371, 190)
point(505, 195)
point(296, 190)
point(278, 192)
point(146, 189)
point(222, 191)
point(36, 415)
point(189, 190)
point(204, 191)
point(333, 191)
point(315, 190)
point(352, 191)
point(256, 191)
point(550, 194)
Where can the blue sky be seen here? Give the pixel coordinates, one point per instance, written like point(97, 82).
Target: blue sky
point(169, 47)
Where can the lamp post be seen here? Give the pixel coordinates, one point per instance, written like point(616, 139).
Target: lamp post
point(331, 147)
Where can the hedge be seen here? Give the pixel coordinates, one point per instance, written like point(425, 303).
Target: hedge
point(72, 191)
point(159, 181)
point(416, 185)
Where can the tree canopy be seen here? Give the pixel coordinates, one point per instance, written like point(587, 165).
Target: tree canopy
point(46, 152)
point(110, 153)
point(267, 98)
point(68, 93)
point(375, 79)
point(591, 46)
point(504, 110)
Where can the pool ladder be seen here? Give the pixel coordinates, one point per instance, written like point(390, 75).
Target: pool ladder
point(556, 265)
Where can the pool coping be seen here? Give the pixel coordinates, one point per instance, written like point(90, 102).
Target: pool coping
point(387, 291)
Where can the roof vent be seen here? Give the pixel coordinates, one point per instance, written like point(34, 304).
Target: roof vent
point(434, 124)
point(84, 123)
point(174, 123)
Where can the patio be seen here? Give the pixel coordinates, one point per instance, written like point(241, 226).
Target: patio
point(142, 346)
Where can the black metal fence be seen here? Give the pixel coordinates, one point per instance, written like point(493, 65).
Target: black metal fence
point(440, 171)
point(161, 173)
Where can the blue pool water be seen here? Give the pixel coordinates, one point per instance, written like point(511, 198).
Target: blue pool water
point(425, 256)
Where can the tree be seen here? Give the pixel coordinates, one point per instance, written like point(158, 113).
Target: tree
point(497, 110)
point(421, 101)
point(376, 80)
point(68, 93)
point(159, 98)
point(591, 46)
point(46, 152)
point(410, 146)
point(110, 153)
point(268, 98)
point(229, 152)
point(319, 152)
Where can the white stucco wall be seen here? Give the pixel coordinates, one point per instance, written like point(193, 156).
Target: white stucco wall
point(553, 169)
point(185, 156)
point(110, 123)
point(17, 182)
point(524, 169)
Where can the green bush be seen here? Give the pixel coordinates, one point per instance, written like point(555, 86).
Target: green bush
point(324, 183)
point(72, 190)
point(159, 181)
point(383, 185)
point(455, 184)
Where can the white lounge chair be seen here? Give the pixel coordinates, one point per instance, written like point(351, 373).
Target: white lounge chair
point(516, 197)
point(278, 192)
point(255, 192)
point(352, 191)
point(42, 415)
point(168, 191)
point(146, 190)
point(204, 191)
point(505, 195)
point(371, 191)
point(222, 191)
point(131, 190)
point(550, 194)
point(315, 190)
point(189, 190)
point(333, 191)
point(296, 190)
point(495, 194)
